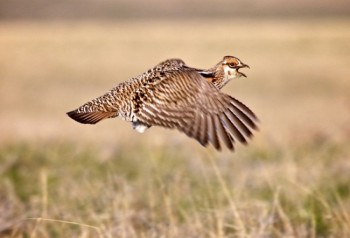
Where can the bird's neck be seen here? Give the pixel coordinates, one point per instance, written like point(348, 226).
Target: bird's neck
point(216, 76)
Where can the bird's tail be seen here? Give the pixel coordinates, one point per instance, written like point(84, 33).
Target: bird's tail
point(89, 117)
point(94, 111)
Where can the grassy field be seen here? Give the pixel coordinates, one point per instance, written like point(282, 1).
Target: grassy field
point(63, 179)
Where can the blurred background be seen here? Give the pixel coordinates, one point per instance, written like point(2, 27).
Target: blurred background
point(56, 55)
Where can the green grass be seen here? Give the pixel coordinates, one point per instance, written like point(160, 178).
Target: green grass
point(143, 193)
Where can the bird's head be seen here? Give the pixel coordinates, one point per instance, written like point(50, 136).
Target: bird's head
point(224, 71)
point(230, 66)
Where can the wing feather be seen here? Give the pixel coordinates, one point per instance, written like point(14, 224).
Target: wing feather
point(244, 108)
point(213, 137)
point(238, 124)
point(222, 132)
point(186, 101)
point(243, 117)
point(235, 133)
point(203, 136)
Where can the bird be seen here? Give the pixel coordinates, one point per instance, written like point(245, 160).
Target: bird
point(176, 96)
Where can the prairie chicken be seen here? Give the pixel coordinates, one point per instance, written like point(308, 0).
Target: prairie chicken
point(174, 95)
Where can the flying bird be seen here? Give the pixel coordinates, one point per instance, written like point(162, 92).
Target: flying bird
point(176, 96)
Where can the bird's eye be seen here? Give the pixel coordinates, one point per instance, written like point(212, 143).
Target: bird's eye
point(231, 65)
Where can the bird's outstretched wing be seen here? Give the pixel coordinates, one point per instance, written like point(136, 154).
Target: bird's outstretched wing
point(186, 101)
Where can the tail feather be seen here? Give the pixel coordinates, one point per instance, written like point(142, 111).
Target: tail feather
point(90, 117)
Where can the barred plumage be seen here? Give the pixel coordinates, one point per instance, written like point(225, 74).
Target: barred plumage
point(176, 96)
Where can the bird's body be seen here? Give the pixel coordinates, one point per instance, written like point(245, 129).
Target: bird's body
point(174, 95)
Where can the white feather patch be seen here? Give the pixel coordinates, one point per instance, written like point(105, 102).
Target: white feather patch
point(140, 128)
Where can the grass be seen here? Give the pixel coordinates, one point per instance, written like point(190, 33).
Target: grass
point(150, 194)
point(60, 178)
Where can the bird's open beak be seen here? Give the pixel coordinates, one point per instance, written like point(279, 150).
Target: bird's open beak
point(242, 65)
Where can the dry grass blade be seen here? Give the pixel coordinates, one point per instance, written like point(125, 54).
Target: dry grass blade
point(39, 219)
point(240, 227)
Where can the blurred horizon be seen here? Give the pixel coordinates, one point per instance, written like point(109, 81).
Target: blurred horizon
point(157, 9)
